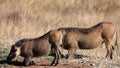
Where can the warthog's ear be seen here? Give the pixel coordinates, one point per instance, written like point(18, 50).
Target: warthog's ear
point(19, 43)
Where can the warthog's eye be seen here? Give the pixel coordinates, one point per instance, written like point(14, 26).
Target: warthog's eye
point(15, 50)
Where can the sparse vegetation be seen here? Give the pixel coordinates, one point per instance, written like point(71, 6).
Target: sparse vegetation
point(33, 18)
point(4, 53)
point(49, 58)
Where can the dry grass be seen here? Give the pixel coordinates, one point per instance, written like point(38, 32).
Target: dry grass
point(32, 18)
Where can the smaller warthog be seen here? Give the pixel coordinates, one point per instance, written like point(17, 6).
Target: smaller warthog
point(41, 46)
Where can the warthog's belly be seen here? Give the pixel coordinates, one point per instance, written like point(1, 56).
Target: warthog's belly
point(41, 51)
point(84, 44)
point(89, 44)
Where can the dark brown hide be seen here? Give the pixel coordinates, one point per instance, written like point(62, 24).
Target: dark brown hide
point(40, 46)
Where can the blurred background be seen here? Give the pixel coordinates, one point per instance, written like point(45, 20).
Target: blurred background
point(32, 18)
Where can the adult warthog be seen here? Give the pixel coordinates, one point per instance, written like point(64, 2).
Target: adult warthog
point(89, 38)
point(41, 46)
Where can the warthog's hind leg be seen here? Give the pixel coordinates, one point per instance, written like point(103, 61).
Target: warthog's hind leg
point(109, 48)
point(57, 56)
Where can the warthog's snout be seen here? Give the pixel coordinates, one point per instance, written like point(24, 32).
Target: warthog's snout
point(10, 57)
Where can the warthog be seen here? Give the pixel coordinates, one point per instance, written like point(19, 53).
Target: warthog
point(41, 46)
point(89, 38)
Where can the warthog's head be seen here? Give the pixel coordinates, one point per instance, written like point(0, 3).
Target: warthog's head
point(15, 51)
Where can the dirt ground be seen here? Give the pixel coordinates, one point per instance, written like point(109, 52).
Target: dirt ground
point(45, 64)
point(80, 61)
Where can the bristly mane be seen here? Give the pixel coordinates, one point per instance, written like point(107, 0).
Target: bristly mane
point(82, 30)
point(18, 43)
point(21, 41)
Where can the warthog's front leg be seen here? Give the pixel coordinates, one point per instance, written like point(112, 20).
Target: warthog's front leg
point(71, 53)
point(27, 61)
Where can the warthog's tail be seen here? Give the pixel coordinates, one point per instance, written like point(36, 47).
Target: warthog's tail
point(116, 43)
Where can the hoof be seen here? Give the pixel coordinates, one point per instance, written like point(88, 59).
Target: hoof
point(54, 64)
point(32, 63)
